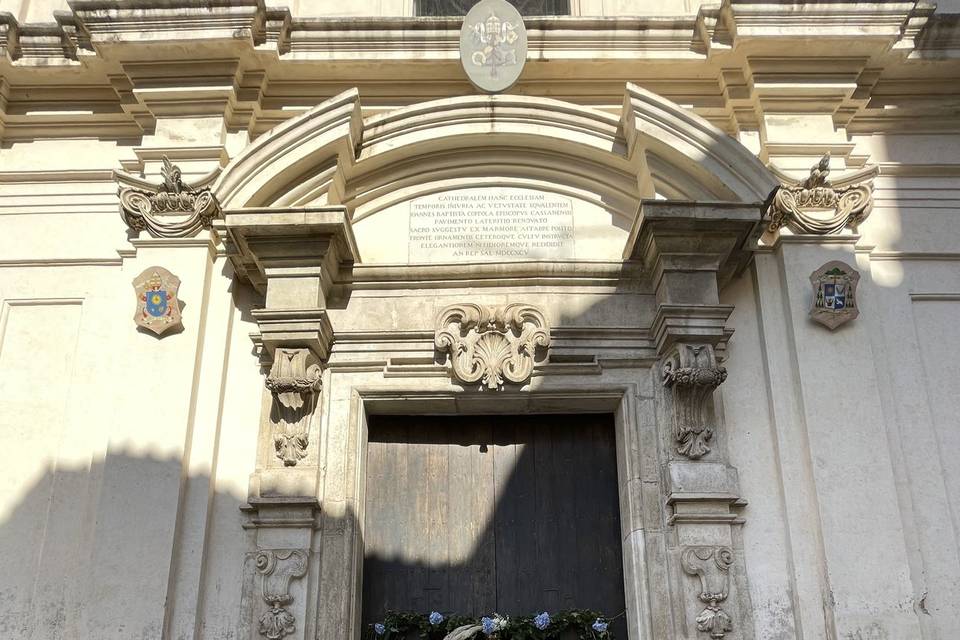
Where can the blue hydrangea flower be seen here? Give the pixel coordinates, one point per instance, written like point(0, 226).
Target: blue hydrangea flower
point(379, 629)
point(599, 626)
point(436, 617)
point(542, 621)
point(489, 626)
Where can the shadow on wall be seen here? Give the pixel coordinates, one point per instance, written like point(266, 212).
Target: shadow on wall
point(89, 553)
point(124, 548)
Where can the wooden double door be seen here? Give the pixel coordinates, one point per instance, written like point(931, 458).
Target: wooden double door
point(481, 514)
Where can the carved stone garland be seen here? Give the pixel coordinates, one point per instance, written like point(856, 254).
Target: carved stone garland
point(277, 568)
point(294, 381)
point(491, 344)
point(173, 209)
point(692, 373)
point(817, 207)
point(712, 566)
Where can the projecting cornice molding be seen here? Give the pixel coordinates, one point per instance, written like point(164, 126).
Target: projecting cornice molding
point(98, 24)
point(130, 63)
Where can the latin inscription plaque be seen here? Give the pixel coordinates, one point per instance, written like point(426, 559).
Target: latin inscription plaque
point(491, 224)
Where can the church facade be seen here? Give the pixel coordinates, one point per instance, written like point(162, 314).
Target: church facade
point(317, 316)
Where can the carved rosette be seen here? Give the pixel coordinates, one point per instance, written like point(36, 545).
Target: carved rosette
point(817, 207)
point(691, 372)
point(712, 566)
point(490, 345)
point(294, 381)
point(173, 209)
point(277, 568)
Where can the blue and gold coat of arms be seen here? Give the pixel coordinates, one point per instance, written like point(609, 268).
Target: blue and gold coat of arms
point(834, 294)
point(158, 309)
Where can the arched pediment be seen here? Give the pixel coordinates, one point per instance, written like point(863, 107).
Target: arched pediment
point(331, 155)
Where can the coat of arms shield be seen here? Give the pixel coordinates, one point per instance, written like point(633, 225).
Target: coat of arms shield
point(158, 309)
point(834, 294)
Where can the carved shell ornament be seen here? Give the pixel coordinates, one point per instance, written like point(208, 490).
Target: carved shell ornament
point(172, 209)
point(815, 206)
point(490, 345)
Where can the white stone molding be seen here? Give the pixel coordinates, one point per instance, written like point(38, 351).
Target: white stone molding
point(173, 209)
point(277, 567)
point(892, 24)
point(294, 382)
point(248, 80)
point(712, 566)
point(691, 372)
point(490, 345)
point(686, 144)
point(815, 206)
point(331, 155)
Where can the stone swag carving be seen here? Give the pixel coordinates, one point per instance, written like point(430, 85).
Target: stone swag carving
point(173, 209)
point(691, 372)
point(277, 568)
point(815, 206)
point(712, 566)
point(489, 345)
point(294, 381)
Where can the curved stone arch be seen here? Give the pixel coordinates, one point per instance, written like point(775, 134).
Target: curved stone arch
point(331, 155)
point(611, 188)
point(705, 159)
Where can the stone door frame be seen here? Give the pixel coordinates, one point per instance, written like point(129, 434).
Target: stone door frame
point(621, 400)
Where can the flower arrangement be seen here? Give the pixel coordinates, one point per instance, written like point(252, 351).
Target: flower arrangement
point(574, 623)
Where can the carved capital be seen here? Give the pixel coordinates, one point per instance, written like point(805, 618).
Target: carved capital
point(712, 566)
point(691, 372)
point(294, 380)
point(172, 209)
point(277, 568)
point(491, 345)
point(815, 206)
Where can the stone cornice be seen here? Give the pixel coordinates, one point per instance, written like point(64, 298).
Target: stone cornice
point(110, 69)
point(295, 242)
point(90, 24)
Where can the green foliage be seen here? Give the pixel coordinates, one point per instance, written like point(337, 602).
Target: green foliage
point(404, 625)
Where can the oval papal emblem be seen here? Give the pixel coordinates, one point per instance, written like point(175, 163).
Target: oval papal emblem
point(493, 45)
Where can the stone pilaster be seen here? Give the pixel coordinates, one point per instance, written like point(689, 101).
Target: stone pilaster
point(292, 257)
point(689, 251)
point(826, 407)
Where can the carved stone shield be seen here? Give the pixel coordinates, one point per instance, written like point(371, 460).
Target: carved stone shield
point(493, 45)
point(834, 294)
point(158, 309)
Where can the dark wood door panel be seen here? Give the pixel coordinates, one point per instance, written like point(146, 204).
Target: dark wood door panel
point(477, 514)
